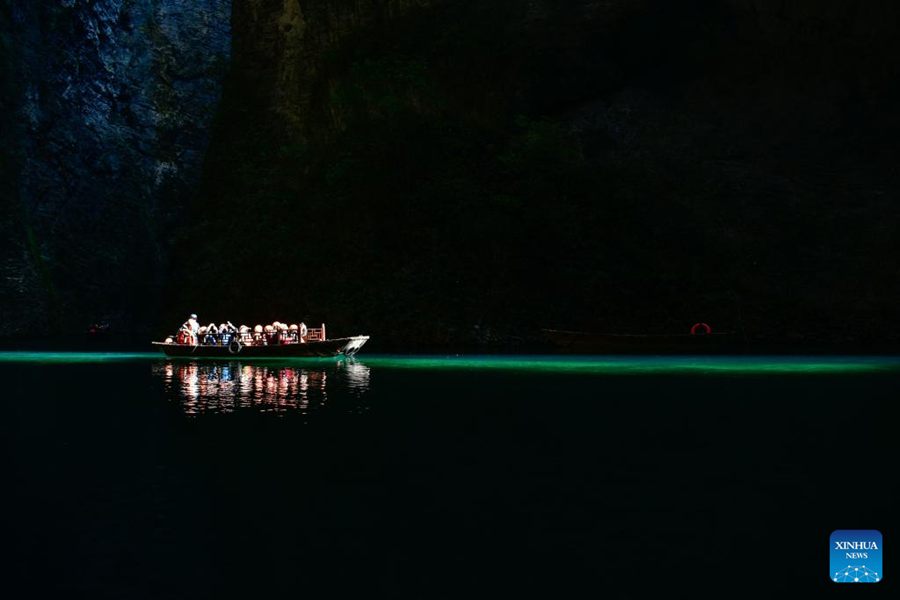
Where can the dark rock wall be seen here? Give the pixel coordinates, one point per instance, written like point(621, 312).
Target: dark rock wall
point(454, 170)
point(281, 46)
point(446, 171)
point(276, 107)
point(107, 108)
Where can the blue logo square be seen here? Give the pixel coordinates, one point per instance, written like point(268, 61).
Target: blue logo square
point(856, 556)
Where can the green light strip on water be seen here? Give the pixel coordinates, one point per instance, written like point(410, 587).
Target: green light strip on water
point(74, 357)
point(550, 364)
point(644, 365)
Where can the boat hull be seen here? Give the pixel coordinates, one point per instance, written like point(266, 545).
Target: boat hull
point(340, 346)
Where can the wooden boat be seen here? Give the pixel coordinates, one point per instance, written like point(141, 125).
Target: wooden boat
point(347, 346)
point(580, 342)
point(313, 343)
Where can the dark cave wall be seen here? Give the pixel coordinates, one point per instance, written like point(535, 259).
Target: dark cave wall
point(275, 108)
point(281, 48)
point(107, 107)
point(453, 171)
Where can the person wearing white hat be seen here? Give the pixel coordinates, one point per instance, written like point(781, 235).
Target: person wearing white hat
point(192, 326)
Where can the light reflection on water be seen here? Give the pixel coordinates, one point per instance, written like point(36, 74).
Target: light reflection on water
point(220, 388)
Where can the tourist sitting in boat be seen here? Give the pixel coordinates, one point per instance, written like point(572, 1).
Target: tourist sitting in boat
point(259, 339)
point(212, 335)
point(277, 332)
point(226, 333)
point(185, 336)
point(245, 336)
point(293, 334)
point(191, 325)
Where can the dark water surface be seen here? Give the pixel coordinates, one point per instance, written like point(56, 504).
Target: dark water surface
point(130, 476)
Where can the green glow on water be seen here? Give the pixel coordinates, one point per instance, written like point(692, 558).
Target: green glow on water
point(760, 365)
point(625, 365)
point(75, 357)
point(644, 364)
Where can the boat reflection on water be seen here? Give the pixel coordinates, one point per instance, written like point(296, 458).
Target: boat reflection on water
point(227, 387)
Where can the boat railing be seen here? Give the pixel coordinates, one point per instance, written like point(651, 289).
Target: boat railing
point(315, 334)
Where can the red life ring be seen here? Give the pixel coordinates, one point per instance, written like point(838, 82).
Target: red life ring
point(698, 326)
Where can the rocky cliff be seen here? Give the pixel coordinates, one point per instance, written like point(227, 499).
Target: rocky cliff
point(105, 123)
point(468, 170)
point(458, 171)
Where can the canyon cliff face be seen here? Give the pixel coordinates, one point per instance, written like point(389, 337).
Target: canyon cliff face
point(469, 171)
point(456, 171)
point(107, 107)
point(281, 49)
